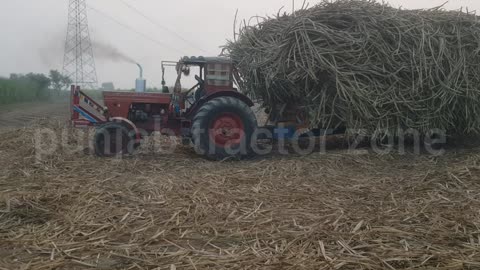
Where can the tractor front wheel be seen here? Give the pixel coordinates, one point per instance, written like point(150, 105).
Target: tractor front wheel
point(113, 139)
point(223, 128)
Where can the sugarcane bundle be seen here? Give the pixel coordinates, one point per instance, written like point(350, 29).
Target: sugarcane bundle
point(367, 65)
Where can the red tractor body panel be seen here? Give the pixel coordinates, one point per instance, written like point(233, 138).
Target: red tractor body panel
point(155, 108)
point(119, 103)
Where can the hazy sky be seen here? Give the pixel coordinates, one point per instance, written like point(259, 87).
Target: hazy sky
point(33, 31)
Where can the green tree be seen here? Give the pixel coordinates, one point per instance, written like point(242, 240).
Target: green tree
point(58, 81)
point(40, 83)
point(20, 88)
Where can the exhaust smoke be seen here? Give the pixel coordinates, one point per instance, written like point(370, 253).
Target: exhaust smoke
point(109, 52)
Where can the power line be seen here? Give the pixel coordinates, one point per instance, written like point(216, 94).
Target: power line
point(105, 15)
point(161, 26)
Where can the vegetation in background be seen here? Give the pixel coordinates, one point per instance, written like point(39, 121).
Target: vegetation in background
point(40, 87)
point(59, 82)
point(32, 87)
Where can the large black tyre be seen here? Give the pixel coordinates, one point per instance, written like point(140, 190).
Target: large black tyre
point(113, 139)
point(223, 128)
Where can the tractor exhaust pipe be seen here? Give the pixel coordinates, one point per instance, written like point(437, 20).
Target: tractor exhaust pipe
point(140, 83)
point(141, 70)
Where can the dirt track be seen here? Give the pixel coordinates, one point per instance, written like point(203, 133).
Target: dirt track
point(24, 114)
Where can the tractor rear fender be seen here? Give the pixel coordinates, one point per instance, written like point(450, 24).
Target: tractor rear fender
point(128, 124)
point(205, 99)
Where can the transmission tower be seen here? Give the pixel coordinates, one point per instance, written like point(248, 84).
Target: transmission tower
point(79, 63)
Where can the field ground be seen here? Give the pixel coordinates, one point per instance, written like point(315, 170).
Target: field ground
point(339, 210)
point(24, 114)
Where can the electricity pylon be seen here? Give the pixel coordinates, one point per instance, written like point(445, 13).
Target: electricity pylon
point(79, 62)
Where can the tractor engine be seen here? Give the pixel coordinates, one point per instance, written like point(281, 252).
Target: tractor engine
point(141, 112)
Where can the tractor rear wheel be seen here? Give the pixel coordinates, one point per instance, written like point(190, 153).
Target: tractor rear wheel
point(223, 128)
point(113, 139)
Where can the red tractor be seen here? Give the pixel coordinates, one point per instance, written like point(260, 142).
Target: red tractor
point(212, 114)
